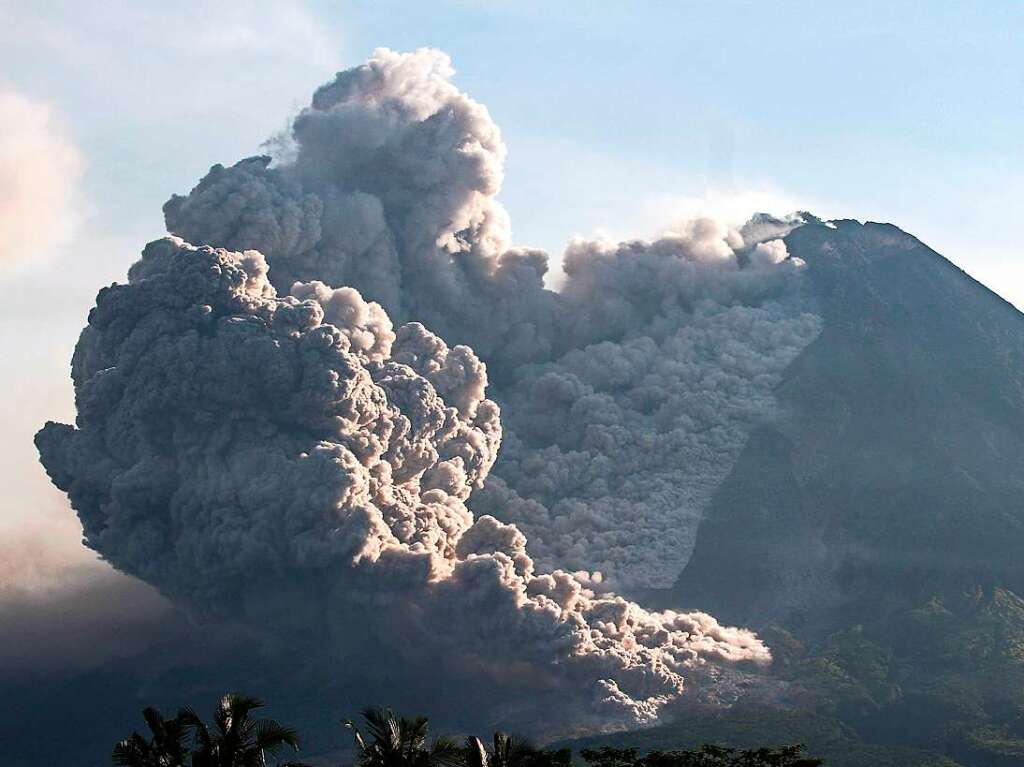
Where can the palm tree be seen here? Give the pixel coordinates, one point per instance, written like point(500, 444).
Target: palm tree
point(501, 755)
point(506, 752)
point(166, 748)
point(396, 741)
point(238, 740)
point(476, 754)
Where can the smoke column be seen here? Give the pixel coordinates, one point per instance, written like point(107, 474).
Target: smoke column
point(256, 439)
point(648, 368)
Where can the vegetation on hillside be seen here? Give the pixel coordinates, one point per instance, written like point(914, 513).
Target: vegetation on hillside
point(935, 679)
point(945, 673)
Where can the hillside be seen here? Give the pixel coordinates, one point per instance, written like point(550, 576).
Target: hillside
point(874, 532)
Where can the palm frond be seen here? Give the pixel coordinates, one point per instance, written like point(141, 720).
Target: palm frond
point(234, 710)
point(476, 754)
point(383, 727)
point(376, 720)
point(271, 736)
point(356, 735)
point(155, 722)
point(133, 751)
point(412, 735)
point(502, 749)
point(192, 721)
point(446, 752)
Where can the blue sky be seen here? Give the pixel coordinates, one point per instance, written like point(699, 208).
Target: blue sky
point(619, 117)
point(908, 112)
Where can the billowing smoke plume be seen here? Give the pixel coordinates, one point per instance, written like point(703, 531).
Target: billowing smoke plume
point(614, 447)
point(387, 185)
point(241, 451)
point(649, 367)
point(257, 440)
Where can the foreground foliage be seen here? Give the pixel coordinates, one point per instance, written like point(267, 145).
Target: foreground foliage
point(387, 739)
point(396, 741)
point(236, 739)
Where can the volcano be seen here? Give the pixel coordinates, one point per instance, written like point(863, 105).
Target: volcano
point(895, 466)
point(874, 531)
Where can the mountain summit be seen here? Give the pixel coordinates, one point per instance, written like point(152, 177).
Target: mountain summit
point(896, 462)
point(873, 531)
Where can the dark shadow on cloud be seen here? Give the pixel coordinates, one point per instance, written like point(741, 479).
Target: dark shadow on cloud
point(84, 624)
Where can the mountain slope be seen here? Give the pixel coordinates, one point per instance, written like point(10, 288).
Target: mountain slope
point(874, 532)
point(896, 465)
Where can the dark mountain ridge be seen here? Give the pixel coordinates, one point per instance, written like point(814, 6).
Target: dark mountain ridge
point(895, 466)
point(874, 532)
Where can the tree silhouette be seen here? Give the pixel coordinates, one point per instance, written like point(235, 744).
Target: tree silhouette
point(507, 752)
point(166, 748)
point(396, 741)
point(236, 739)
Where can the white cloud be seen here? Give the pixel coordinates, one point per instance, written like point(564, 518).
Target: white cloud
point(39, 171)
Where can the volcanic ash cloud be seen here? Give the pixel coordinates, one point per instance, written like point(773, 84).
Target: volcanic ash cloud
point(628, 394)
point(294, 462)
